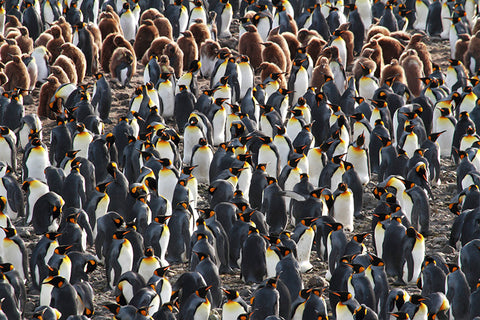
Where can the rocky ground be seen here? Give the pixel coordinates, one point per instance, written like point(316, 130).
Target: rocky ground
point(441, 218)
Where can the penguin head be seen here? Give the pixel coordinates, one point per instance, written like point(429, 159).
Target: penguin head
point(271, 180)
point(6, 267)
point(231, 294)
point(161, 219)
point(360, 237)
point(417, 299)
point(343, 187)
point(52, 235)
point(253, 230)
point(360, 313)
point(117, 220)
point(72, 218)
point(307, 222)
point(201, 256)
point(344, 296)
point(118, 235)
point(148, 252)
point(429, 260)
point(9, 232)
point(376, 261)
point(335, 226)
point(57, 281)
point(113, 307)
point(161, 272)
point(102, 188)
point(284, 251)
point(90, 266)
point(203, 291)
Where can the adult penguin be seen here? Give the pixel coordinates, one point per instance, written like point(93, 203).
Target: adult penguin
point(119, 259)
point(184, 105)
point(253, 266)
point(63, 297)
point(117, 190)
point(196, 306)
point(274, 206)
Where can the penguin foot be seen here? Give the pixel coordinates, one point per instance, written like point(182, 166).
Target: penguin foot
point(226, 270)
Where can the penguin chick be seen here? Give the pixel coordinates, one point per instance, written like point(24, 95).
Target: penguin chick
point(189, 48)
point(123, 65)
point(59, 74)
point(461, 47)
point(321, 72)
point(393, 70)
point(374, 30)
point(146, 33)
point(376, 56)
point(275, 37)
point(410, 61)
point(391, 47)
point(8, 49)
point(54, 46)
point(68, 66)
point(24, 42)
point(47, 91)
point(164, 27)
point(249, 44)
point(66, 29)
point(273, 53)
point(365, 60)
point(292, 42)
point(175, 54)
point(150, 14)
point(200, 32)
point(416, 43)
point(156, 48)
point(43, 39)
point(17, 74)
point(78, 58)
point(108, 24)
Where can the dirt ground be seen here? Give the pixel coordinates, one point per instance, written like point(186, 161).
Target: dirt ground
point(441, 218)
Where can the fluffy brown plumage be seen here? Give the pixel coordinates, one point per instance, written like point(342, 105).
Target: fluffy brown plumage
point(108, 24)
point(461, 46)
point(276, 37)
point(55, 45)
point(150, 14)
point(267, 68)
point(164, 27)
point(156, 48)
point(416, 43)
point(274, 54)
point(59, 74)
point(175, 54)
point(376, 56)
point(66, 28)
point(17, 74)
point(473, 52)
point(122, 55)
point(200, 32)
point(374, 30)
point(8, 49)
point(47, 91)
point(68, 66)
point(24, 41)
point(413, 67)
point(145, 35)
point(43, 39)
point(304, 36)
point(189, 48)
point(315, 47)
point(391, 48)
point(249, 44)
point(78, 58)
point(393, 70)
point(320, 73)
point(292, 42)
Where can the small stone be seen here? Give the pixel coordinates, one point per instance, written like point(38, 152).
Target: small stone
point(316, 282)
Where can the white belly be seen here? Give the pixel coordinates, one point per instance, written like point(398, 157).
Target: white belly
point(343, 211)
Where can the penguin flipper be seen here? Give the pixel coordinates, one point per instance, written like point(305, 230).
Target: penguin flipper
point(294, 195)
